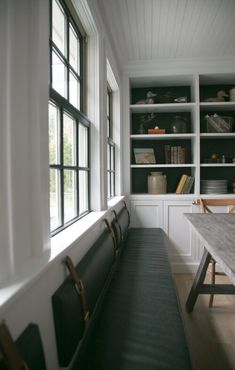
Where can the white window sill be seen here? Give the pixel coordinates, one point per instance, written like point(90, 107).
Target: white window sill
point(37, 266)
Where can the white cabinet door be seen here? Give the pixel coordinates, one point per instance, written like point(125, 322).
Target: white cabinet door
point(184, 248)
point(146, 213)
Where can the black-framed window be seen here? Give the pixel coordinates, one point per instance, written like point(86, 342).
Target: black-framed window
point(110, 145)
point(68, 126)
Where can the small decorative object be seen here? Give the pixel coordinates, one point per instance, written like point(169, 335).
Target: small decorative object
point(233, 160)
point(221, 94)
point(216, 123)
point(147, 118)
point(145, 121)
point(214, 157)
point(178, 125)
point(141, 130)
point(181, 99)
point(149, 98)
point(157, 183)
point(223, 159)
point(144, 155)
point(232, 94)
point(156, 130)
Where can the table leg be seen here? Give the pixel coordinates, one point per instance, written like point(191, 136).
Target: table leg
point(198, 281)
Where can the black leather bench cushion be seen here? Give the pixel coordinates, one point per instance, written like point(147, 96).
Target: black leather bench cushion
point(30, 347)
point(139, 327)
point(93, 270)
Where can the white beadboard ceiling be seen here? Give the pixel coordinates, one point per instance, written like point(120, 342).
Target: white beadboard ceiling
point(151, 29)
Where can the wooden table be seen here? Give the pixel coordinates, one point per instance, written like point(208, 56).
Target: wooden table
point(217, 232)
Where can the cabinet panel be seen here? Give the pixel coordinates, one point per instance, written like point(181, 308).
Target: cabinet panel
point(146, 214)
point(185, 248)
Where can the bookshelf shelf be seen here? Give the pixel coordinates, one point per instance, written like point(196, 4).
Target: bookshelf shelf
point(229, 135)
point(163, 136)
point(213, 106)
point(217, 165)
point(153, 108)
point(162, 165)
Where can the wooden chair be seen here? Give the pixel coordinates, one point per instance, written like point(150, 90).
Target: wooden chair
point(205, 205)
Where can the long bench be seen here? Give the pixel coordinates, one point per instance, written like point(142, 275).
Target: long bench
point(118, 309)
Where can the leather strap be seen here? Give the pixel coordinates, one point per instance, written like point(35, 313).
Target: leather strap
point(79, 288)
point(112, 234)
point(129, 217)
point(9, 350)
point(116, 219)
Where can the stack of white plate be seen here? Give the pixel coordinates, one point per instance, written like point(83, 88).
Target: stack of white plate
point(214, 186)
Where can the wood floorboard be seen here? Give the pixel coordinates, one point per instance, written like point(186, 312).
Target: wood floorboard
point(210, 331)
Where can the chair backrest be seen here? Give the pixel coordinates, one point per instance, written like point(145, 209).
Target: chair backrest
point(205, 204)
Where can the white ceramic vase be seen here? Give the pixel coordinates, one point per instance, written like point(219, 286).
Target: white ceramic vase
point(157, 183)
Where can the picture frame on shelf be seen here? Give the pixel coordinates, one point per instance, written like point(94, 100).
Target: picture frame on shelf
point(144, 156)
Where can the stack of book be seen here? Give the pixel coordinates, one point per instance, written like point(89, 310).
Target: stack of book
point(216, 123)
point(185, 184)
point(174, 154)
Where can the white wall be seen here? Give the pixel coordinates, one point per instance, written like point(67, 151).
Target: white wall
point(29, 271)
point(24, 215)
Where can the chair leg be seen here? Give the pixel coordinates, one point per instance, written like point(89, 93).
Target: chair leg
point(213, 263)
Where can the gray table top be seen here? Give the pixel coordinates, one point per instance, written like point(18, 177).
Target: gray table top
point(218, 234)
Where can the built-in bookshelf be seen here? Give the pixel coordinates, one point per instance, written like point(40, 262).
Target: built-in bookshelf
point(197, 151)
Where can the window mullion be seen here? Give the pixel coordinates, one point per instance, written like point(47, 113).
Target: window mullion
point(62, 164)
point(67, 56)
point(77, 159)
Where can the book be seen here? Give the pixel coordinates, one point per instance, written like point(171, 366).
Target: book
point(174, 154)
point(167, 151)
point(181, 184)
point(188, 185)
point(144, 155)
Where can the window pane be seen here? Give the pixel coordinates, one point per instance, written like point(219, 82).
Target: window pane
point(74, 91)
point(108, 156)
point(59, 75)
point(55, 198)
point(112, 157)
point(108, 185)
point(54, 152)
point(107, 104)
point(70, 198)
point(112, 184)
point(83, 146)
point(58, 26)
point(108, 128)
point(83, 191)
point(74, 49)
point(69, 141)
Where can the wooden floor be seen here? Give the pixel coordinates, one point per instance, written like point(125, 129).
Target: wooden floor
point(210, 331)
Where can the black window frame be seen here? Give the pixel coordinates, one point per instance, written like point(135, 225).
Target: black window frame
point(65, 107)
